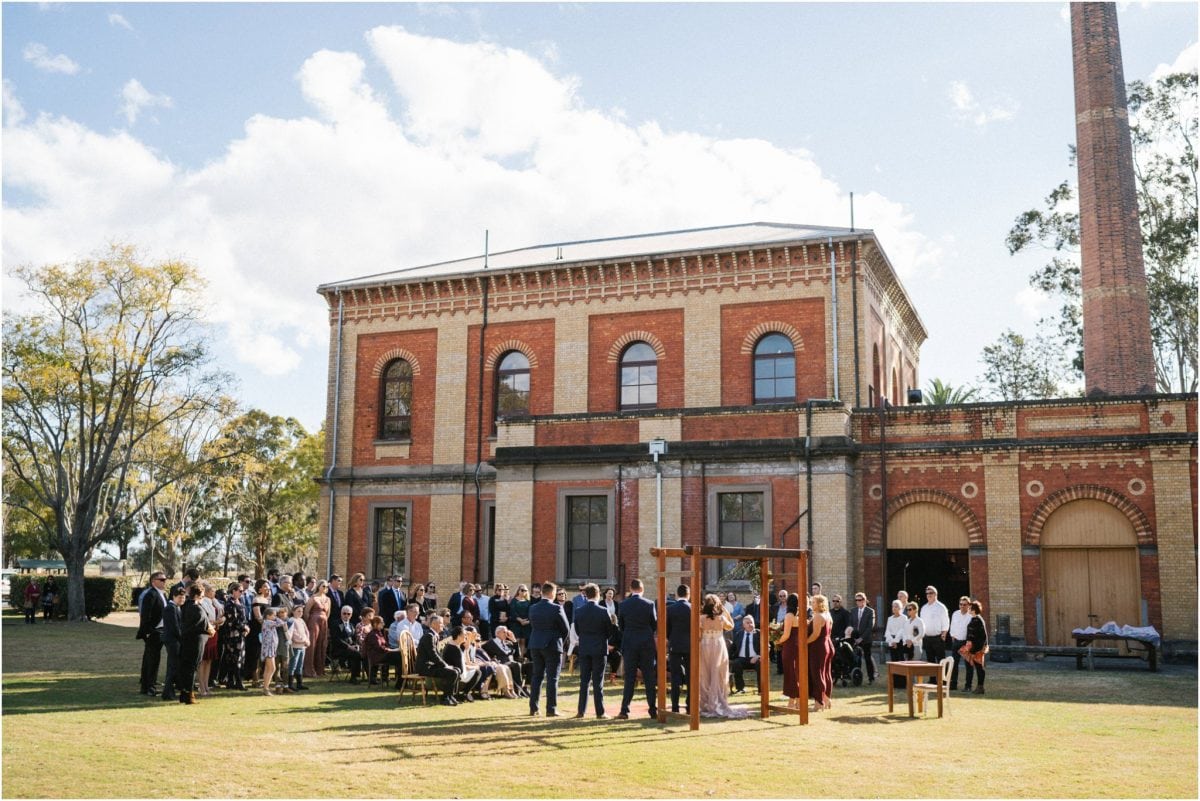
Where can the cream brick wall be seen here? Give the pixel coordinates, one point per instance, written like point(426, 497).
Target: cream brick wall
point(833, 552)
point(827, 422)
point(515, 435)
point(669, 428)
point(1176, 546)
point(445, 539)
point(451, 394)
point(702, 351)
point(571, 363)
point(647, 528)
point(1006, 580)
point(514, 531)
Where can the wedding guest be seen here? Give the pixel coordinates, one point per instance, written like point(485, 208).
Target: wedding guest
point(343, 644)
point(893, 639)
point(233, 639)
point(272, 627)
point(214, 618)
point(192, 627)
point(820, 655)
point(356, 597)
point(300, 640)
point(316, 612)
point(976, 646)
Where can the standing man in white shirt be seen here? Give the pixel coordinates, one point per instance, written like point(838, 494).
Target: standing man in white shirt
point(958, 635)
point(936, 618)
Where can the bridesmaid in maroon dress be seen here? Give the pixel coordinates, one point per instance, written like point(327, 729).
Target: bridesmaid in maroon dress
point(820, 655)
point(789, 649)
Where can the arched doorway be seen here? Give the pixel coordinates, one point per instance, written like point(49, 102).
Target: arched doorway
point(1089, 569)
point(927, 544)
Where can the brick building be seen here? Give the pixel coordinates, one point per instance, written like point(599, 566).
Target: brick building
point(491, 422)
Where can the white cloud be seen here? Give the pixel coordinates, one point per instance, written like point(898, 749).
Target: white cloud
point(968, 109)
point(14, 112)
point(135, 97)
point(464, 137)
point(39, 56)
point(118, 21)
point(1186, 61)
point(1034, 303)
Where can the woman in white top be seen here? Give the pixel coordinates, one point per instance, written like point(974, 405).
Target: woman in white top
point(893, 635)
point(914, 633)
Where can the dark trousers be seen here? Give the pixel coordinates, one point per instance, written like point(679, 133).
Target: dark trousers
point(445, 676)
point(678, 663)
point(641, 657)
point(151, 658)
point(170, 680)
point(546, 662)
point(189, 660)
point(474, 683)
point(865, 644)
point(736, 667)
point(954, 646)
point(900, 653)
point(591, 672)
point(935, 648)
point(384, 663)
point(350, 659)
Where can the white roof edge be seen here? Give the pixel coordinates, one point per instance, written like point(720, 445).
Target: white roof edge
point(787, 232)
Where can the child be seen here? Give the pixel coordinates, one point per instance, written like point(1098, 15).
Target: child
point(270, 642)
point(300, 642)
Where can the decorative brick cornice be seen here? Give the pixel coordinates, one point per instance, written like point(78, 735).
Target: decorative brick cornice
point(629, 337)
point(771, 327)
point(1136, 517)
point(396, 353)
point(510, 345)
point(961, 511)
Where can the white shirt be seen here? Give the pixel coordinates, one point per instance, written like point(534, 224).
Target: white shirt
point(414, 628)
point(749, 644)
point(483, 601)
point(936, 618)
point(894, 633)
point(914, 629)
point(958, 624)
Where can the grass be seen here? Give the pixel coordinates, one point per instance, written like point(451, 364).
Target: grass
point(1042, 731)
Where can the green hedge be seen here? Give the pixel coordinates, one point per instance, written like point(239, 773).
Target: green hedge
point(101, 594)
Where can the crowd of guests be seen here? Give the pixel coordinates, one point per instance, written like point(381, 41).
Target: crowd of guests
point(272, 634)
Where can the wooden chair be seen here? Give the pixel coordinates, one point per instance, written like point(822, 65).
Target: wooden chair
point(409, 678)
point(923, 690)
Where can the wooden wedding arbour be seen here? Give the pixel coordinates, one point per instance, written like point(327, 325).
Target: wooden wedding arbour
point(698, 554)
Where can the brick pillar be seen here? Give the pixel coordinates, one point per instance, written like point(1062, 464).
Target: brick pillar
point(1117, 355)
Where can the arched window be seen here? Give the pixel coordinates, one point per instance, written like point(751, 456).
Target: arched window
point(639, 377)
point(774, 370)
point(512, 385)
point(395, 407)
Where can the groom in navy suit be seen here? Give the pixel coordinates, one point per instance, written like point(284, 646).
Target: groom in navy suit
point(549, 628)
point(639, 621)
point(679, 646)
point(593, 627)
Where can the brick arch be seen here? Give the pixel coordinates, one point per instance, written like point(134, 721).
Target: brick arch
point(628, 338)
point(505, 347)
point(772, 327)
point(393, 354)
point(961, 511)
point(1095, 492)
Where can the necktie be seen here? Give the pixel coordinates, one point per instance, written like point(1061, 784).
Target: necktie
point(745, 645)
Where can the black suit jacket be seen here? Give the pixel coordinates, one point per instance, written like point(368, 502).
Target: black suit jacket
point(593, 627)
point(735, 650)
point(152, 613)
point(501, 653)
point(841, 621)
point(341, 638)
point(866, 624)
point(452, 655)
point(639, 621)
point(388, 604)
point(679, 627)
point(171, 623)
point(335, 602)
point(429, 653)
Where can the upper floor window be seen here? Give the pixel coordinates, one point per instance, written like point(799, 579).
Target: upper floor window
point(512, 385)
point(639, 377)
point(395, 408)
point(774, 370)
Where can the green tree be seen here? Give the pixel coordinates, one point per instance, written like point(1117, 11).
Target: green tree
point(1016, 368)
point(110, 354)
point(1163, 127)
point(942, 394)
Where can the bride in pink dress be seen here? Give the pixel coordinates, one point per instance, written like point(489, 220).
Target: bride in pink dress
point(714, 661)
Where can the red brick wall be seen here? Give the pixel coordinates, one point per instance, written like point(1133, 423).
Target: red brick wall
point(742, 426)
point(359, 548)
point(807, 315)
point(537, 340)
point(603, 333)
point(371, 349)
point(600, 432)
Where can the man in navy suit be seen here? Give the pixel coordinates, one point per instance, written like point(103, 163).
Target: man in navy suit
point(391, 599)
point(549, 628)
point(639, 621)
point(151, 604)
point(172, 620)
point(593, 627)
point(744, 655)
point(679, 646)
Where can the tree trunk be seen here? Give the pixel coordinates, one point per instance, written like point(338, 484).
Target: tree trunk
point(76, 608)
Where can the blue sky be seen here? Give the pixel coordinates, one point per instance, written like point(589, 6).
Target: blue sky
point(280, 146)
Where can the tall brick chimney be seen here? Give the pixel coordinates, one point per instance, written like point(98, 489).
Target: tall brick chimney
point(1117, 354)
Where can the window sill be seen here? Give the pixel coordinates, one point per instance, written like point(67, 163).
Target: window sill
point(392, 448)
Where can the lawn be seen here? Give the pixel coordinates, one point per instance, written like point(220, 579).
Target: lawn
point(75, 727)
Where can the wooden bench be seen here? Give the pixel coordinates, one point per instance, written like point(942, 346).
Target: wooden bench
point(1137, 649)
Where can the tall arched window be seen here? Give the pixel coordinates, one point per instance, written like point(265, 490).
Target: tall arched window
point(512, 385)
point(639, 377)
point(774, 370)
point(395, 407)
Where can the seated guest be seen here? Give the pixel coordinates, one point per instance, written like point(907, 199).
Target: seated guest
point(744, 654)
point(469, 676)
point(430, 661)
point(841, 619)
point(501, 672)
point(343, 644)
point(377, 653)
point(412, 622)
point(502, 648)
point(487, 668)
point(394, 628)
point(364, 625)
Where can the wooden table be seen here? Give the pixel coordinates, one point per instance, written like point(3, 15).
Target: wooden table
point(1135, 647)
point(913, 670)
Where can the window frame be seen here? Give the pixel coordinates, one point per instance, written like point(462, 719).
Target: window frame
point(501, 374)
point(373, 511)
point(381, 433)
point(622, 366)
point(563, 535)
point(756, 358)
point(712, 570)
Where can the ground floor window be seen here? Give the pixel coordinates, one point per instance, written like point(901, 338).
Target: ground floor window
point(586, 541)
point(391, 529)
point(741, 523)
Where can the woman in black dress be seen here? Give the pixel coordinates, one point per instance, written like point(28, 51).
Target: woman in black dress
point(356, 597)
point(262, 600)
point(192, 627)
point(232, 640)
point(976, 647)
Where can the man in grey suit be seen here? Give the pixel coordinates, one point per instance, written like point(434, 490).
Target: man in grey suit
point(679, 646)
point(639, 622)
point(549, 628)
point(593, 627)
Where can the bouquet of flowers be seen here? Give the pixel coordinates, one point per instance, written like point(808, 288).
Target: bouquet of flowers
point(774, 632)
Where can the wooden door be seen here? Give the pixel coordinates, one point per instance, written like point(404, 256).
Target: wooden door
point(1067, 592)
